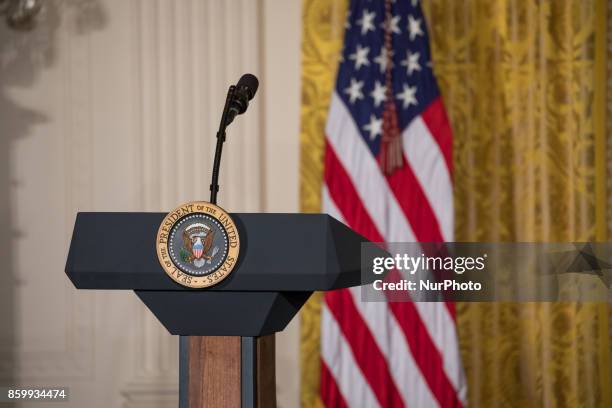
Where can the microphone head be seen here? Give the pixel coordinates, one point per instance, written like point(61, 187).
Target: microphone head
point(250, 82)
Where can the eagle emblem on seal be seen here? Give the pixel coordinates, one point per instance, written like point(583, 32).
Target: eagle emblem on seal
point(197, 247)
point(197, 244)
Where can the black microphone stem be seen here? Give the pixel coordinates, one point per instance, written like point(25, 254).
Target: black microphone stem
point(214, 184)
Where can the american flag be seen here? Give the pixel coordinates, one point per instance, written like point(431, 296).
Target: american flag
point(388, 175)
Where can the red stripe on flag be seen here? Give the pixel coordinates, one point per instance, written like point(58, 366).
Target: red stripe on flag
point(425, 354)
point(347, 199)
point(411, 198)
point(437, 122)
point(368, 356)
point(330, 393)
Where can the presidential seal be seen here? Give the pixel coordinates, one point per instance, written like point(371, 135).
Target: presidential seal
point(198, 244)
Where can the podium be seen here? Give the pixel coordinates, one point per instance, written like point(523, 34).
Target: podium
point(227, 330)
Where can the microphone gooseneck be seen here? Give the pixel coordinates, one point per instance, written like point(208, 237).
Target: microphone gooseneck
point(236, 103)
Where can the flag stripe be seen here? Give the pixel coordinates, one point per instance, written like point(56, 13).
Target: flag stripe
point(330, 393)
point(339, 359)
point(436, 319)
point(423, 155)
point(367, 354)
point(409, 194)
point(346, 198)
point(437, 122)
point(391, 342)
point(421, 345)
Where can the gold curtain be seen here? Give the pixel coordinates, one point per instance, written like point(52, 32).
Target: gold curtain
point(524, 83)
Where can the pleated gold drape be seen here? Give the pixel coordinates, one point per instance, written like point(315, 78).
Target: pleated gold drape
point(524, 83)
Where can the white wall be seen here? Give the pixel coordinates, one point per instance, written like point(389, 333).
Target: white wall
point(112, 105)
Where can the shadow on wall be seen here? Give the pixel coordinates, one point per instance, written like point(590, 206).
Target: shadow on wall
point(23, 56)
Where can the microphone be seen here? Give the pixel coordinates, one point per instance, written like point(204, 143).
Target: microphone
point(244, 91)
point(236, 103)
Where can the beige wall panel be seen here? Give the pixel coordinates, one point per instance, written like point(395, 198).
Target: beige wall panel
point(281, 26)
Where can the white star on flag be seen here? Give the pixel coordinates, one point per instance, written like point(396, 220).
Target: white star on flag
point(382, 59)
point(411, 62)
point(378, 94)
point(354, 90)
point(393, 24)
point(408, 96)
point(414, 27)
point(360, 56)
point(374, 127)
point(366, 22)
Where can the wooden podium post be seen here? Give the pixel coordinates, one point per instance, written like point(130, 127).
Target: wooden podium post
point(217, 376)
